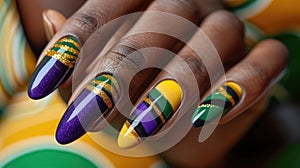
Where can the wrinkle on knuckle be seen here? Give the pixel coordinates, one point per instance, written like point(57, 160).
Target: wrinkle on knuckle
point(89, 21)
point(126, 57)
point(197, 66)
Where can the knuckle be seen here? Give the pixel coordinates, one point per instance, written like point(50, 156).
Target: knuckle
point(126, 57)
point(89, 21)
point(198, 67)
point(135, 52)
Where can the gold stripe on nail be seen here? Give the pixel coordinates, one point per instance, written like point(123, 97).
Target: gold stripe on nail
point(65, 55)
point(236, 88)
point(114, 81)
point(66, 48)
point(156, 109)
point(107, 87)
point(102, 94)
point(207, 106)
point(223, 92)
point(131, 129)
point(69, 40)
point(128, 136)
point(63, 58)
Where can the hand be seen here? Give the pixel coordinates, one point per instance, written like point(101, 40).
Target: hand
point(219, 25)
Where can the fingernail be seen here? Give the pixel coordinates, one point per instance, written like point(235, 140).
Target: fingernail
point(218, 103)
point(54, 68)
point(96, 100)
point(49, 29)
point(150, 115)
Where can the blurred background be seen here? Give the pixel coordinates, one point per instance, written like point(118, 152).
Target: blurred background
point(273, 141)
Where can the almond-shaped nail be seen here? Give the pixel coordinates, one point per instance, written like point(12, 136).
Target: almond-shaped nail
point(94, 102)
point(150, 115)
point(54, 68)
point(220, 102)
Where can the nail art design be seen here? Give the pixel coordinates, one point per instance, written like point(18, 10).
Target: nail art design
point(54, 68)
point(95, 101)
point(218, 103)
point(150, 115)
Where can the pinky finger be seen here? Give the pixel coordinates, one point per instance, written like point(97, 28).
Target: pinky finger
point(246, 83)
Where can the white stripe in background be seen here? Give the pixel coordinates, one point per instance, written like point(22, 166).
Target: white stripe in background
point(11, 30)
point(18, 55)
point(3, 48)
point(253, 32)
point(15, 56)
point(24, 57)
point(253, 9)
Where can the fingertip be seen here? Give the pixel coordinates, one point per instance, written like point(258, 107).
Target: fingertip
point(278, 46)
point(68, 129)
point(53, 21)
point(273, 49)
point(259, 71)
point(226, 32)
point(226, 20)
point(127, 138)
point(49, 29)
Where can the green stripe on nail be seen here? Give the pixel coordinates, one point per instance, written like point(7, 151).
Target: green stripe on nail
point(161, 102)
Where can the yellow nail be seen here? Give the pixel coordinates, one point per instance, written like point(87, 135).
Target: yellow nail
point(128, 137)
point(150, 115)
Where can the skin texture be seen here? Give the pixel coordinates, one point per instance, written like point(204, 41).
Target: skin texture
point(53, 21)
point(252, 68)
point(211, 152)
point(112, 61)
point(32, 11)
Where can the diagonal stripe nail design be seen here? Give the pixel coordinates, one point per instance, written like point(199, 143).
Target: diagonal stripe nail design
point(150, 115)
point(54, 68)
point(95, 101)
point(218, 103)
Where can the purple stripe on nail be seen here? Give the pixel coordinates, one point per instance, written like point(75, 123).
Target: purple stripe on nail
point(48, 75)
point(80, 115)
point(146, 117)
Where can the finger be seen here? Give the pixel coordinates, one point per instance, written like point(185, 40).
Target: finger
point(219, 143)
point(61, 54)
point(235, 129)
point(199, 58)
point(53, 21)
point(246, 83)
point(123, 60)
point(262, 69)
point(155, 34)
point(126, 55)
